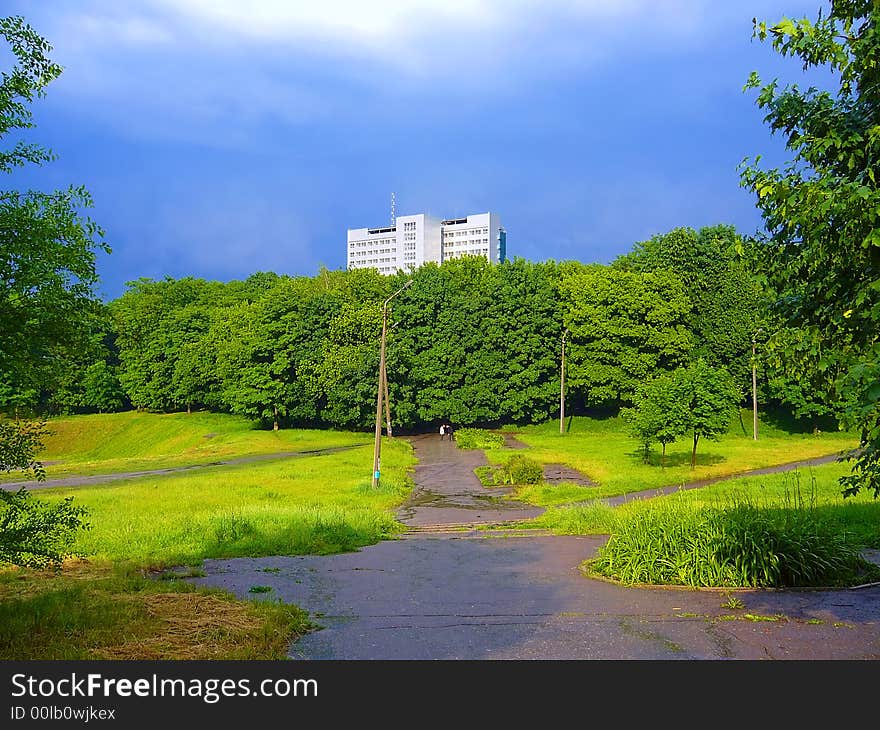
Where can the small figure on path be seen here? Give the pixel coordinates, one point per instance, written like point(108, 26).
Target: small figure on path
point(442, 430)
point(449, 432)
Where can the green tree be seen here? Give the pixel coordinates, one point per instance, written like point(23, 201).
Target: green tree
point(707, 398)
point(166, 358)
point(821, 211)
point(101, 389)
point(47, 274)
point(727, 306)
point(476, 343)
point(626, 328)
point(47, 247)
point(657, 415)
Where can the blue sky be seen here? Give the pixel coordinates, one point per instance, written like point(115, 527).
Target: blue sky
point(220, 138)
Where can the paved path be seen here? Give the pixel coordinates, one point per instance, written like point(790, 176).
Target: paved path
point(79, 481)
point(463, 594)
point(448, 492)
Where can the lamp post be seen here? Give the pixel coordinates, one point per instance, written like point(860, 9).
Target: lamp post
point(755, 387)
point(562, 386)
point(377, 446)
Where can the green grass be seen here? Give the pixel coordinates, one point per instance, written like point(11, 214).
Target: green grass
point(316, 504)
point(92, 611)
point(859, 515)
point(312, 504)
point(478, 438)
point(133, 441)
point(602, 450)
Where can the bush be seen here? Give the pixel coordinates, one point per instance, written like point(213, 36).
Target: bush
point(523, 470)
point(742, 545)
point(37, 534)
point(478, 438)
point(518, 470)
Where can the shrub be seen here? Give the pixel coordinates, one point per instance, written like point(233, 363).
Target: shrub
point(518, 470)
point(741, 545)
point(478, 438)
point(523, 470)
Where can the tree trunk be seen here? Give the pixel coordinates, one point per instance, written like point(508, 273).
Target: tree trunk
point(694, 452)
point(275, 425)
point(663, 456)
point(188, 409)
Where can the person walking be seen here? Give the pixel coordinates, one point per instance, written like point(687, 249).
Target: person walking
point(442, 430)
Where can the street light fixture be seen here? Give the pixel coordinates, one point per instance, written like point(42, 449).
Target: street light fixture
point(562, 386)
point(383, 388)
point(755, 386)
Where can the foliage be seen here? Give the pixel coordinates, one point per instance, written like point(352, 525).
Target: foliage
point(820, 211)
point(47, 273)
point(478, 438)
point(519, 469)
point(35, 534)
point(477, 343)
point(742, 544)
point(20, 441)
point(47, 247)
point(726, 298)
point(626, 327)
point(657, 414)
point(707, 399)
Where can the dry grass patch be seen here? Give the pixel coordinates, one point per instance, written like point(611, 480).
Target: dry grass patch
point(201, 626)
point(87, 611)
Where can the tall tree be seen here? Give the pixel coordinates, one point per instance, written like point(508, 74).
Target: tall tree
point(821, 211)
point(47, 245)
point(626, 328)
point(47, 274)
point(725, 296)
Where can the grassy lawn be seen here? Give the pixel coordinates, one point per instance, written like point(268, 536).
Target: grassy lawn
point(817, 487)
point(314, 504)
point(602, 449)
point(103, 606)
point(132, 441)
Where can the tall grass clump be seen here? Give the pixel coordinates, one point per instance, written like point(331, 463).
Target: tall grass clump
point(478, 438)
point(742, 544)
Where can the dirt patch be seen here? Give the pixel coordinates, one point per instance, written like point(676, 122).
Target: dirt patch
point(559, 473)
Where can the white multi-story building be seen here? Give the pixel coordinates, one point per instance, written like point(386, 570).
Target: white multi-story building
point(417, 239)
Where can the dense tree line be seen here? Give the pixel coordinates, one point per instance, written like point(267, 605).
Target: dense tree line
point(470, 342)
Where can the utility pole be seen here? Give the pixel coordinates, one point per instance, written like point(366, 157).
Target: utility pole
point(562, 387)
point(387, 399)
point(755, 387)
point(381, 393)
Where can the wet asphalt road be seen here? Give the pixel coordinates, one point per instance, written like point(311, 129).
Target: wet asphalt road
point(466, 595)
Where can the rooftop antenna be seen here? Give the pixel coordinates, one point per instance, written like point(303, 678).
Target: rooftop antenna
point(393, 217)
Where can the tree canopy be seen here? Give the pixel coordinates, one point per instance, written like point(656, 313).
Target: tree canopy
point(821, 210)
point(47, 303)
